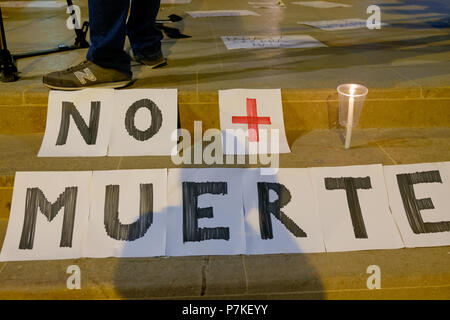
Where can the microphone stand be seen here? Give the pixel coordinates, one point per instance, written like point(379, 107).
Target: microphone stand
point(8, 68)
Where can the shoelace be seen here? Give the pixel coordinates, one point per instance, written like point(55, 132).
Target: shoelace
point(78, 66)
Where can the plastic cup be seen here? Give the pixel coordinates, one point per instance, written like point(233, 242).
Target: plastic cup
point(351, 101)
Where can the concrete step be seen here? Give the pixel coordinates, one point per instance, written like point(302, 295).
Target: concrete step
point(419, 273)
point(24, 109)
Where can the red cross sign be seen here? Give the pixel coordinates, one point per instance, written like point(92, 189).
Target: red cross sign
point(252, 120)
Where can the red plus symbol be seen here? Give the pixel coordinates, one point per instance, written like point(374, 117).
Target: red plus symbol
point(252, 120)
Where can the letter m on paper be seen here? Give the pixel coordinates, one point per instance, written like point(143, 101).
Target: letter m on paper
point(35, 199)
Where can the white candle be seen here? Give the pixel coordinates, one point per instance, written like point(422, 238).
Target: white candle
point(351, 101)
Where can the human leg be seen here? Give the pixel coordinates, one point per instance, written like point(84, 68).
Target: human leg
point(107, 21)
point(108, 65)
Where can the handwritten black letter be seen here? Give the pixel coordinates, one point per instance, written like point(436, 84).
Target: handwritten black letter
point(89, 133)
point(154, 126)
point(191, 212)
point(266, 208)
point(35, 199)
point(351, 185)
point(128, 232)
point(413, 206)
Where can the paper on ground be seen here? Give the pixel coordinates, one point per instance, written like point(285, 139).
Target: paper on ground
point(221, 13)
point(238, 138)
point(131, 196)
point(41, 238)
point(298, 213)
point(227, 211)
point(340, 233)
point(332, 25)
point(97, 124)
point(321, 4)
point(260, 42)
point(406, 209)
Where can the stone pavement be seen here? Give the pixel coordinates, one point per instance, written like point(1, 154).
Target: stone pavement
point(406, 119)
point(419, 273)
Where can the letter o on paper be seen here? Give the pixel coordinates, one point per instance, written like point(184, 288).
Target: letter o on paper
point(154, 126)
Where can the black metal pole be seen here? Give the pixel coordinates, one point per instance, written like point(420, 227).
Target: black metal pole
point(80, 31)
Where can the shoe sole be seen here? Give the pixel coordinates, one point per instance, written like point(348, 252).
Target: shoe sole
point(111, 85)
point(159, 63)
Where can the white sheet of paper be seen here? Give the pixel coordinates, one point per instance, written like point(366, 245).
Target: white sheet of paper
point(33, 4)
point(162, 102)
point(261, 42)
point(274, 4)
point(321, 4)
point(301, 209)
point(266, 6)
point(98, 243)
point(221, 13)
point(439, 193)
point(46, 235)
point(227, 212)
point(236, 137)
point(332, 25)
point(337, 226)
point(76, 145)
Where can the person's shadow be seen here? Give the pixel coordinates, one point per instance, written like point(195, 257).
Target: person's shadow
point(266, 276)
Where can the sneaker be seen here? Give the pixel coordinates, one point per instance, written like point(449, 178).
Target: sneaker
point(154, 61)
point(86, 75)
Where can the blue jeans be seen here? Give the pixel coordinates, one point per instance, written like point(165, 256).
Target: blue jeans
point(109, 27)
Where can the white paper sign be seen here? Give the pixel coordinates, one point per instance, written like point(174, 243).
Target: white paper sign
point(78, 123)
point(321, 4)
point(205, 212)
point(49, 215)
point(144, 120)
point(419, 197)
point(260, 42)
point(252, 122)
point(354, 208)
point(332, 25)
point(281, 213)
point(221, 13)
point(128, 214)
